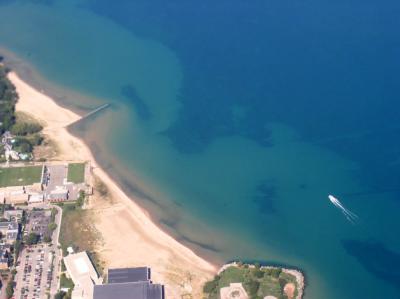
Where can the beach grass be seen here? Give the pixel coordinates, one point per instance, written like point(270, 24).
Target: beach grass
point(77, 231)
point(20, 176)
point(76, 173)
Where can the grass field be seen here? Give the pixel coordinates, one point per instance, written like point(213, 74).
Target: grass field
point(20, 176)
point(76, 173)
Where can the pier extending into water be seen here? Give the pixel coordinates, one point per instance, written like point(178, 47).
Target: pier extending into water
point(94, 111)
point(90, 113)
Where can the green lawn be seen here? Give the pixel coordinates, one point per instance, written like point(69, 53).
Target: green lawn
point(76, 173)
point(66, 282)
point(20, 176)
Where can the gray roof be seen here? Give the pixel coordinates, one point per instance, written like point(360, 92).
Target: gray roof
point(13, 226)
point(12, 236)
point(61, 195)
point(4, 224)
point(9, 213)
point(128, 275)
point(128, 290)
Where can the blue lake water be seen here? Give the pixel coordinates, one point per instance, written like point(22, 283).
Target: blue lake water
point(234, 120)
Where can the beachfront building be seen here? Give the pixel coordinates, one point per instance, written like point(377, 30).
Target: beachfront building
point(129, 283)
point(82, 272)
point(59, 194)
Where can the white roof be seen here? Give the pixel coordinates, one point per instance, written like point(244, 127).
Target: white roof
point(81, 266)
point(82, 273)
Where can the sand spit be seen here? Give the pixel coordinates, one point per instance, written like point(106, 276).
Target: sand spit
point(128, 235)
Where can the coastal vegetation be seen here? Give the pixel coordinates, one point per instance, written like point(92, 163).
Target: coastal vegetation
point(101, 188)
point(23, 131)
point(8, 99)
point(77, 230)
point(257, 281)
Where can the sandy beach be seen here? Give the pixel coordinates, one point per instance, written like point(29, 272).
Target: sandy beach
point(129, 237)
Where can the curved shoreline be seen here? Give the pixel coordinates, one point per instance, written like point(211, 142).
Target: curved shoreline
point(80, 103)
point(174, 257)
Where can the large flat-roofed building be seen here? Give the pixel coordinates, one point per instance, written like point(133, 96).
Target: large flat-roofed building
point(129, 283)
point(82, 272)
point(128, 290)
point(128, 275)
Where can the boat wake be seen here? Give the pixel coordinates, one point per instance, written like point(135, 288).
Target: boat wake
point(350, 216)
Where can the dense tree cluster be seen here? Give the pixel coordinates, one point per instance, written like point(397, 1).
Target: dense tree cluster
point(8, 98)
point(26, 130)
point(32, 239)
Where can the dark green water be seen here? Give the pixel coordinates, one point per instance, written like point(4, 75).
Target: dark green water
point(233, 121)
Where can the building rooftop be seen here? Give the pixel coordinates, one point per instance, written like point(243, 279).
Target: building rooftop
point(129, 290)
point(12, 236)
point(13, 226)
point(13, 213)
point(4, 225)
point(82, 273)
point(128, 275)
point(129, 283)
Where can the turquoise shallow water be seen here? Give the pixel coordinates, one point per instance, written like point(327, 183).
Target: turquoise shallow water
point(233, 122)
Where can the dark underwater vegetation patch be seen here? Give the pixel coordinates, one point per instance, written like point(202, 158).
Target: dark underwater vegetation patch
point(129, 92)
point(376, 259)
point(198, 244)
point(265, 197)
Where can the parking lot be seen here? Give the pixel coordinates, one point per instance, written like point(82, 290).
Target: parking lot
point(35, 273)
point(56, 176)
point(39, 265)
point(38, 222)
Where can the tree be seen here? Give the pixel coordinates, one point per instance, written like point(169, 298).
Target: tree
point(10, 289)
point(211, 286)
point(17, 248)
point(54, 212)
point(253, 286)
point(25, 147)
point(81, 199)
point(52, 226)
point(25, 128)
point(275, 272)
point(32, 239)
point(46, 239)
point(257, 272)
point(60, 295)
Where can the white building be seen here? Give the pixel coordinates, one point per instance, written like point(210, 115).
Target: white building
point(35, 198)
point(82, 272)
